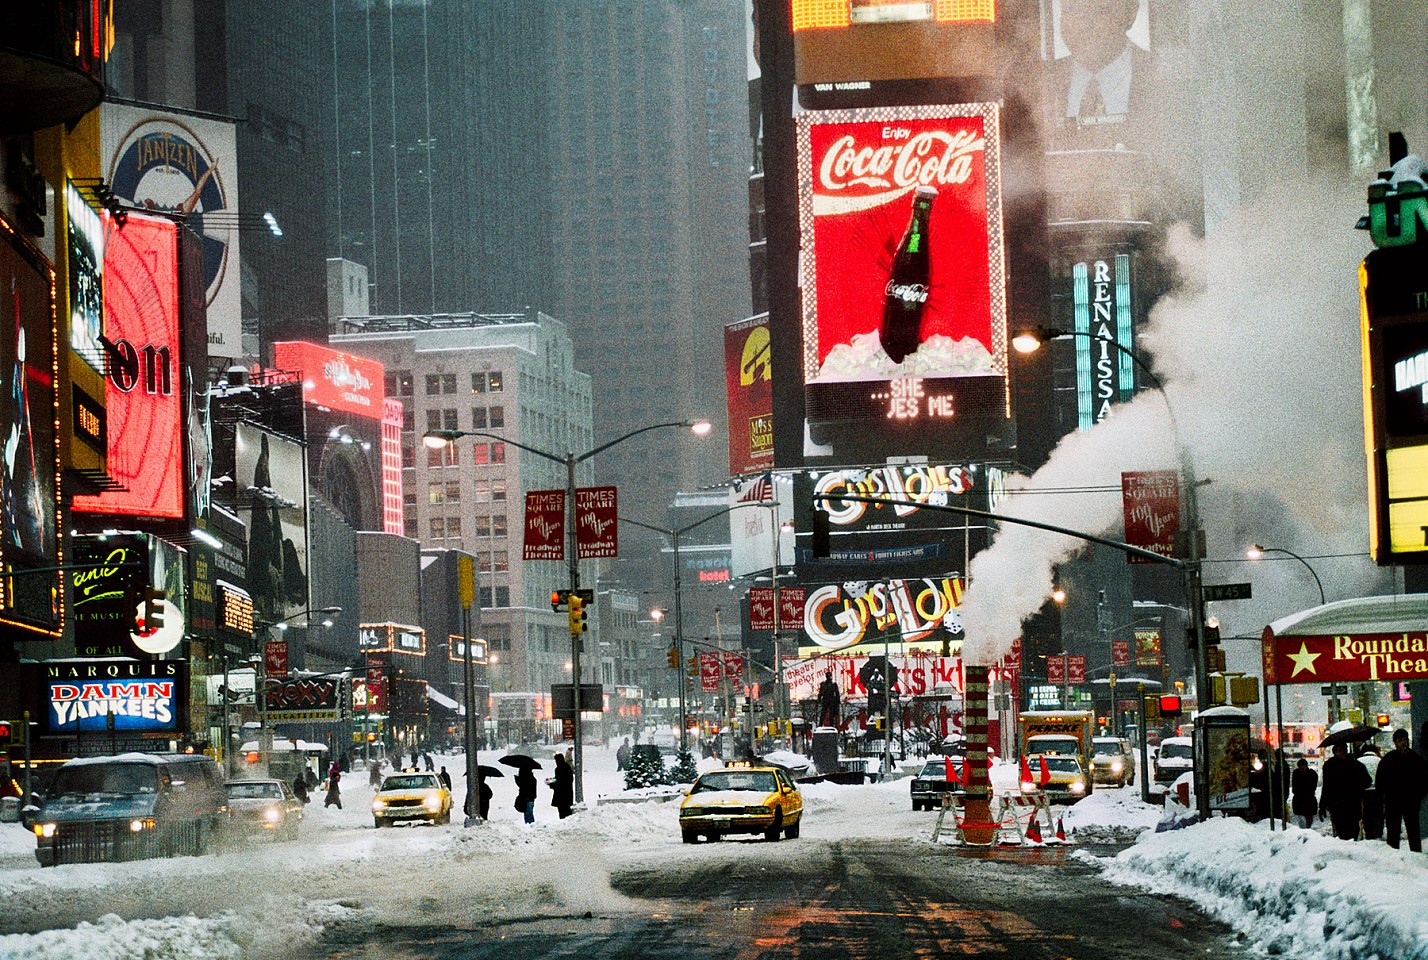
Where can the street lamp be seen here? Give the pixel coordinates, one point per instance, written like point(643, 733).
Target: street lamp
point(1030, 340)
point(674, 536)
point(438, 439)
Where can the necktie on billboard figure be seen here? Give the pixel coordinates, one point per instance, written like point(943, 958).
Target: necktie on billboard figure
point(906, 291)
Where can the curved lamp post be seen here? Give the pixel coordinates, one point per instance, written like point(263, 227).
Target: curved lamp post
point(1028, 341)
point(437, 439)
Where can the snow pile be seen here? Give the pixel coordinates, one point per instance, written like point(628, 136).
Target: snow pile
point(1110, 816)
point(1295, 893)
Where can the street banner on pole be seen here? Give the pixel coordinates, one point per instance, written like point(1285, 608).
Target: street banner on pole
point(1150, 500)
point(734, 667)
point(275, 658)
point(761, 608)
point(1076, 669)
point(1120, 652)
point(709, 672)
point(545, 525)
point(790, 610)
point(1056, 670)
point(596, 523)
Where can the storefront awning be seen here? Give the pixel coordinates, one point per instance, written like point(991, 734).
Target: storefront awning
point(437, 697)
point(1363, 639)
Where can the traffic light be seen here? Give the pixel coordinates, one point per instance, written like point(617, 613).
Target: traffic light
point(153, 610)
point(558, 599)
point(578, 614)
point(1170, 706)
point(821, 535)
point(7, 733)
point(673, 656)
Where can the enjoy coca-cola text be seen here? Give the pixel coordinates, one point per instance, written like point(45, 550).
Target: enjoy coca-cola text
point(929, 158)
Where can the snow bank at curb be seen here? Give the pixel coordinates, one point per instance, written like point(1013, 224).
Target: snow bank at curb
point(1295, 893)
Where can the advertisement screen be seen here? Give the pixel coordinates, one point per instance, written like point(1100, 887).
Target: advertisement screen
point(272, 497)
point(392, 507)
point(748, 375)
point(185, 165)
point(28, 457)
point(857, 616)
point(861, 40)
point(904, 310)
point(332, 379)
point(105, 598)
point(86, 292)
point(144, 397)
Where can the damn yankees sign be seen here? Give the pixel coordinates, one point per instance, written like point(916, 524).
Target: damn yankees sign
point(1355, 657)
point(141, 697)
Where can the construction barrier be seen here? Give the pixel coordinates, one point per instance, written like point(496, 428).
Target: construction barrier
point(1015, 823)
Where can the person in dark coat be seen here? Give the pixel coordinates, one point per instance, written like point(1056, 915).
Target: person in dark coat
point(1259, 787)
point(1304, 789)
point(526, 793)
point(484, 799)
point(300, 788)
point(1345, 780)
point(1402, 785)
point(334, 794)
point(445, 778)
point(622, 755)
point(562, 790)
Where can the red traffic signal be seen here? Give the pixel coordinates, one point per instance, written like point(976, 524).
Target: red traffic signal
point(7, 732)
point(1170, 705)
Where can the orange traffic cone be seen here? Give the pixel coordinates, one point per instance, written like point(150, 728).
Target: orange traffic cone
point(1033, 831)
point(1060, 831)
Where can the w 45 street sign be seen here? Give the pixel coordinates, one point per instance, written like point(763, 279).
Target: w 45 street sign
point(1226, 591)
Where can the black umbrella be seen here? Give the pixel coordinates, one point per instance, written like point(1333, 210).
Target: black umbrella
point(520, 761)
point(1349, 736)
point(488, 771)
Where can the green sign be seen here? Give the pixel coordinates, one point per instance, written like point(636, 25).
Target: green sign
point(1227, 591)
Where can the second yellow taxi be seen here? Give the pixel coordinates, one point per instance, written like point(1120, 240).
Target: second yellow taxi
point(411, 796)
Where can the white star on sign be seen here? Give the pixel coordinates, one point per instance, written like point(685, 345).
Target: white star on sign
point(1303, 660)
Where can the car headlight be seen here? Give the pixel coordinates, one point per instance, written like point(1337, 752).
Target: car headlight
point(378, 804)
point(138, 826)
point(1117, 766)
point(45, 829)
point(432, 802)
point(1078, 786)
point(272, 815)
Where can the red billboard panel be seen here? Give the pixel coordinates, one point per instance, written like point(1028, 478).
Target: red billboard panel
point(597, 524)
point(710, 672)
point(1150, 500)
point(1148, 646)
point(1056, 670)
point(1348, 658)
point(904, 310)
point(332, 379)
point(1076, 669)
point(545, 525)
point(143, 394)
point(748, 378)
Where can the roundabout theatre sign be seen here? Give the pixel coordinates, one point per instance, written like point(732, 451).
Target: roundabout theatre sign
point(1347, 657)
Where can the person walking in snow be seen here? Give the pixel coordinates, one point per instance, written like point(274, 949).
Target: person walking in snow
point(526, 793)
point(622, 755)
point(562, 789)
point(1402, 784)
point(1304, 788)
point(334, 793)
point(1345, 780)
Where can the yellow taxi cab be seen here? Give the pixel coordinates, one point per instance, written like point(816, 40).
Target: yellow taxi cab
point(1068, 780)
point(411, 796)
point(741, 798)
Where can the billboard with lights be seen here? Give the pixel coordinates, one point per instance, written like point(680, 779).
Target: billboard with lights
point(339, 381)
point(887, 339)
point(144, 396)
point(872, 40)
point(29, 456)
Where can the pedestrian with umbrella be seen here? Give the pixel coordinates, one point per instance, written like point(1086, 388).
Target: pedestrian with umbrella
point(1345, 780)
point(525, 782)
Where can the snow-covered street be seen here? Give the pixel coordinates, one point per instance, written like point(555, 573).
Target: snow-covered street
point(1296, 894)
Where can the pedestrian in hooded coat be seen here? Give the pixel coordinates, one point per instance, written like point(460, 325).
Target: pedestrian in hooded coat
point(562, 790)
point(334, 794)
point(1402, 785)
point(1345, 780)
point(1304, 788)
point(300, 788)
point(526, 793)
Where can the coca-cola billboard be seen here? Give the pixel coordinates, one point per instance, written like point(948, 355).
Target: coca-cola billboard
point(904, 308)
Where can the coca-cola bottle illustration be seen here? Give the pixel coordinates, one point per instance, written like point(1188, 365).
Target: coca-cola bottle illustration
point(906, 292)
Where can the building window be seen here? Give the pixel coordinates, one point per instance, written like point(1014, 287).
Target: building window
point(433, 419)
point(433, 384)
point(409, 500)
point(448, 383)
point(483, 526)
point(453, 491)
point(485, 599)
point(443, 456)
point(498, 489)
point(453, 526)
point(438, 528)
point(498, 453)
point(481, 454)
point(483, 561)
point(498, 417)
point(436, 493)
point(410, 526)
point(408, 417)
point(498, 525)
point(478, 418)
point(408, 454)
point(493, 381)
point(483, 491)
point(503, 596)
point(501, 562)
point(478, 383)
point(498, 636)
point(448, 419)
point(399, 383)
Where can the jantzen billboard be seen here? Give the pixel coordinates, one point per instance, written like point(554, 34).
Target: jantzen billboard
point(187, 166)
point(144, 395)
point(858, 171)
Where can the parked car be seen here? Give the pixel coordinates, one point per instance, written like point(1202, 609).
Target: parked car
point(931, 783)
point(741, 798)
point(411, 796)
point(264, 806)
point(129, 807)
point(1175, 756)
point(1112, 761)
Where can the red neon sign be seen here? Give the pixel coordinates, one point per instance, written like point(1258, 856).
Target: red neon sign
point(143, 394)
point(332, 379)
